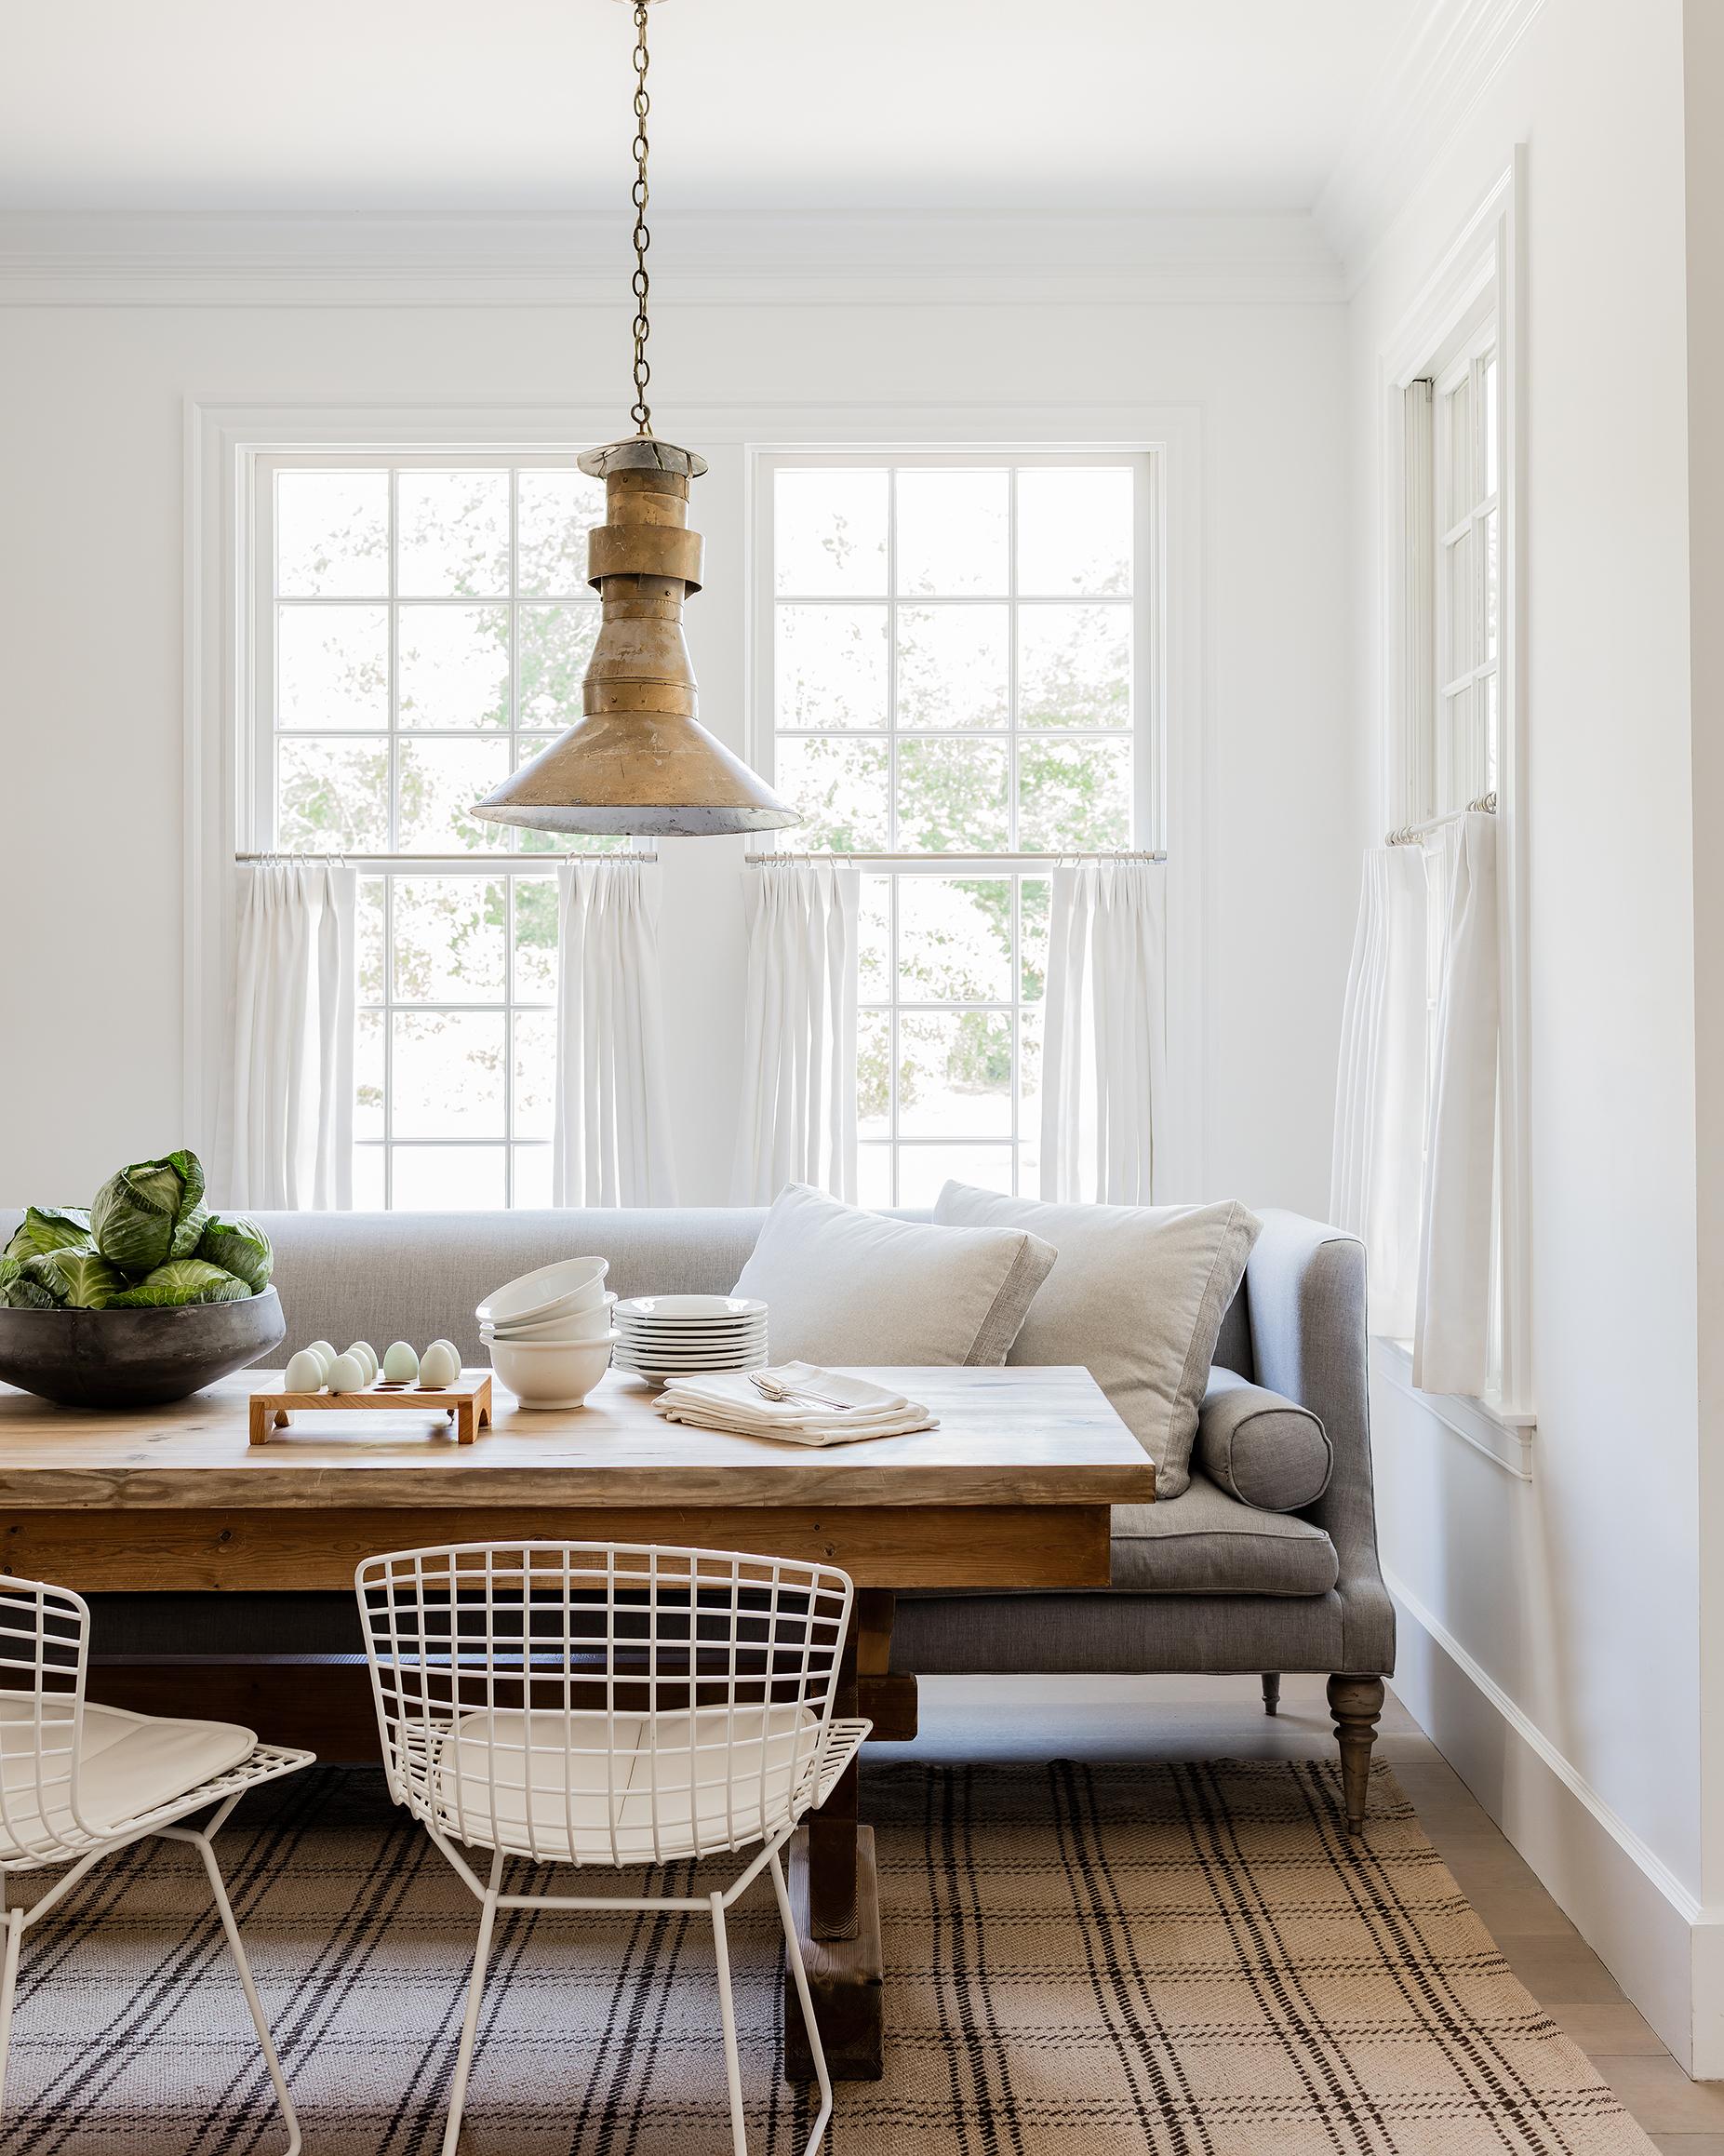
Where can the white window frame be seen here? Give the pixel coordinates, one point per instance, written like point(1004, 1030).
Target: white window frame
point(1481, 276)
point(1148, 732)
point(701, 935)
point(257, 777)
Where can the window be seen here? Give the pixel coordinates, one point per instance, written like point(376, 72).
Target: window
point(420, 626)
point(1467, 565)
point(959, 672)
point(1455, 660)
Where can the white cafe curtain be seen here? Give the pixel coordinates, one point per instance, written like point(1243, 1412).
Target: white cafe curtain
point(1452, 1330)
point(1416, 1102)
point(293, 1010)
point(611, 1137)
point(1377, 1174)
point(1104, 1045)
point(798, 1112)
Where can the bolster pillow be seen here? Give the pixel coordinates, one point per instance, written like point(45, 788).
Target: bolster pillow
point(1263, 1449)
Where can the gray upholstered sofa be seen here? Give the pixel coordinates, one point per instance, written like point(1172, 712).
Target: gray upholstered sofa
point(1202, 1582)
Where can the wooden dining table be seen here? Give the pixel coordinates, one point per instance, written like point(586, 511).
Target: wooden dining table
point(1012, 1490)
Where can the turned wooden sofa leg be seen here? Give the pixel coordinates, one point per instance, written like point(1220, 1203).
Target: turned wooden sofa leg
point(1355, 1702)
point(1271, 1691)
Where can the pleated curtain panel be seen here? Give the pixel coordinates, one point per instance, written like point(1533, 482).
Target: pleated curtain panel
point(1104, 1045)
point(293, 1068)
point(1416, 1103)
point(798, 1113)
point(612, 1138)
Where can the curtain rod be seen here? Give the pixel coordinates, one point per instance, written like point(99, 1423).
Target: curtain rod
point(1410, 833)
point(453, 859)
point(961, 860)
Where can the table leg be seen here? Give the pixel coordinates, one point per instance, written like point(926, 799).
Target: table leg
point(834, 1892)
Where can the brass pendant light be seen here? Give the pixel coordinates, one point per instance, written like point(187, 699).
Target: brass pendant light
point(639, 760)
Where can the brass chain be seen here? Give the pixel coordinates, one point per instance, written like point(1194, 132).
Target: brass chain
point(640, 413)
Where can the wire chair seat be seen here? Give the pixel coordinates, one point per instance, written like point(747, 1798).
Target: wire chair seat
point(133, 1772)
point(584, 1787)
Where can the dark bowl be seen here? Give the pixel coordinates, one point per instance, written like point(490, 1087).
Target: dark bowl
point(135, 1358)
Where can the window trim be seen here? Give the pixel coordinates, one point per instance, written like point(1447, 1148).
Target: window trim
point(1486, 260)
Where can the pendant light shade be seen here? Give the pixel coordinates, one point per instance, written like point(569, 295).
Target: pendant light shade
point(639, 760)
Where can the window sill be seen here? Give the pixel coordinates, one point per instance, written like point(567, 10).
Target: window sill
point(1505, 1438)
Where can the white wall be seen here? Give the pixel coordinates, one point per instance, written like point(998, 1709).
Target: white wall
point(1552, 1628)
point(92, 588)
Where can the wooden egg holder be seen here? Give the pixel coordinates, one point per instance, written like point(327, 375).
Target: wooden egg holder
point(466, 1403)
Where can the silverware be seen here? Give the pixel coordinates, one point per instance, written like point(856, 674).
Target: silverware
point(773, 1390)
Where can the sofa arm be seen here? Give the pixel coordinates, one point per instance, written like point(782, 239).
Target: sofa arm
point(1305, 1291)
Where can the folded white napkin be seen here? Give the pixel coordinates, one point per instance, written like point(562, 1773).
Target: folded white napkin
point(725, 1400)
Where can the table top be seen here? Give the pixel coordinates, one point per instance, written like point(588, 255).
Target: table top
point(1017, 1437)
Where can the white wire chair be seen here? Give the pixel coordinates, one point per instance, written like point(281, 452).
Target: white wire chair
point(78, 1781)
point(613, 1706)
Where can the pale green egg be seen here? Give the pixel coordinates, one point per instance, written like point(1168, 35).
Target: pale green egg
point(306, 1372)
point(363, 1352)
point(400, 1364)
point(347, 1373)
point(325, 1352)
point(439, 1366)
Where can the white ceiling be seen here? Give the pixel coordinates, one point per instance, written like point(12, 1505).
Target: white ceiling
point(490, 107)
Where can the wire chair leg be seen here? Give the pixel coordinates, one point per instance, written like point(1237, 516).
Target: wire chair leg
point(266, 2043)
point(8, 1989)
point(800, 1976)
point(470, 2020)
point(727, 2014)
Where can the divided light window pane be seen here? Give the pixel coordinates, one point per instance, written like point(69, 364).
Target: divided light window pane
point(1468, 598)
point(953, 668)
point(431, 630)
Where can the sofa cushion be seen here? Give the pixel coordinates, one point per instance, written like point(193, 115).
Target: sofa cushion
point(1206, 1543)
point(1137, 1295)
point(842, 1285)
point(1260, 1447)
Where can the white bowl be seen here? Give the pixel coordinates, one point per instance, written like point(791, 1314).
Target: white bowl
point(551, 1372)
point(575, 1325)
point(550, 1291)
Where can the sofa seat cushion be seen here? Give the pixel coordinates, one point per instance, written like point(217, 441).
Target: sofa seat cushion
point(1205, 1542)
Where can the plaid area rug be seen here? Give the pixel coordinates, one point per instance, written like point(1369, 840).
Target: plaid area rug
point(1080, 1961)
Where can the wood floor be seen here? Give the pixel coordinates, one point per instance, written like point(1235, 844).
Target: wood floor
point(1153, 1718)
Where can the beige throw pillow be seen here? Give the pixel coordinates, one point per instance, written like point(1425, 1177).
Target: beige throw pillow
point(1137, 1295)
point(844, 1286)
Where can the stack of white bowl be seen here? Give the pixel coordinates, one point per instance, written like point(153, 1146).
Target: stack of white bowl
point(549, 1331)
point(669, 1336)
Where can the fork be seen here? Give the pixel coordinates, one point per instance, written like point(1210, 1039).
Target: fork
point(773, 1390)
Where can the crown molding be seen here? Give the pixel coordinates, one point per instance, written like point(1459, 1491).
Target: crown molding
point(1448, 60)
point(861, 258)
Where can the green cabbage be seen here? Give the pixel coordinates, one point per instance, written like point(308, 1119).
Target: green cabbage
point(151, 1213)
point(49, 1227)
point(184, 1280)
point(239, 1246)
point(83, 1278)
point(33, 1287)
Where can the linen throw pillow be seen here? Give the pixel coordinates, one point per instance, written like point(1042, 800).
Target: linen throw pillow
point(1264, 1449)
point(842, 1285)
point(1137, 1295)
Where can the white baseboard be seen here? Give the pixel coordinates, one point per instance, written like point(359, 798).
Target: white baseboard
point(1663, 1948)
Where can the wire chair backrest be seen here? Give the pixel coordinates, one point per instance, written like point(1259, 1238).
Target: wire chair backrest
point(602, 1703)
point(44, 1645)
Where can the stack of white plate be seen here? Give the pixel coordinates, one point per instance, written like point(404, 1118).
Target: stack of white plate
point(668, 1336)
